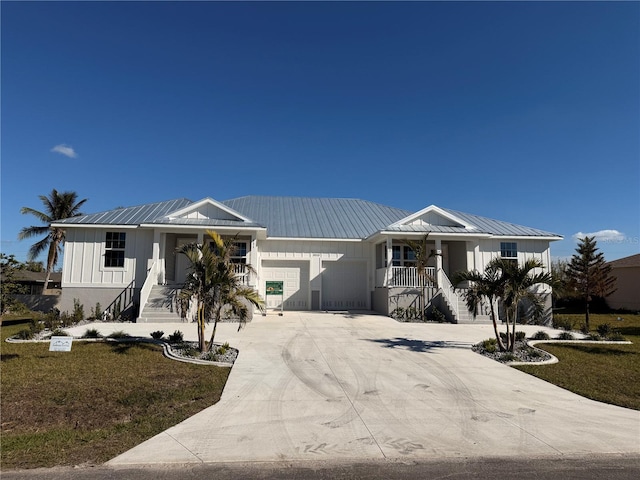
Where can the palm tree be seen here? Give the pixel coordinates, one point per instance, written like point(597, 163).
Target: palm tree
point(422, 255)
point(57, 206)
point(507, 281)
point(520, 286)
point(213, 282)
point(487, 286)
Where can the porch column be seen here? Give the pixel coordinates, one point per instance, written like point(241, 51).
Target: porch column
point(387, 281)
point(162, 278)
point(200, 239)
point(439, 262)
point(253, 260)
point(155, 257)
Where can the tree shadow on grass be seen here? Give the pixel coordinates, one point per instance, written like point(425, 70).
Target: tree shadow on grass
point(610, 350)
point(422, 346)
point(4, 357)
point(123, 348)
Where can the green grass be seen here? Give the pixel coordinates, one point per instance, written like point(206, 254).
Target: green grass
point(607, 373)
point(95, 402)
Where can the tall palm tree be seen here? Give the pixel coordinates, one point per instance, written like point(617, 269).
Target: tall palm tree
point(487, 286)
point(57, 206)
point(422, 254)
point(213, 282)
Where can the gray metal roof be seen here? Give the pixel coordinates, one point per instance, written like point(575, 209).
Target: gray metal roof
point(304, 217)
point(498, 227)
point(130, 215)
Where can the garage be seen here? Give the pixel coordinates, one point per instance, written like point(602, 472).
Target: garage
point(295, 282)
point(344, 286)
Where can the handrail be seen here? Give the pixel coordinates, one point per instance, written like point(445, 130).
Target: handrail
point(149, 282)
point(123, 301)
point(449, 293)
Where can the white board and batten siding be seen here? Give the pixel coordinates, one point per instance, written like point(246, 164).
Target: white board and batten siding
point(338, 270)
point(84, 258)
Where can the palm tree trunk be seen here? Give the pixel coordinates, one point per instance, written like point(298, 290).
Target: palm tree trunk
point(495, 328)
point(215, 326)
point(46, 281)
point(201, 342)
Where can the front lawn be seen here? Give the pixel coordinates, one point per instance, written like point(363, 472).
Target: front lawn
point(607, 373)
point(95, 402)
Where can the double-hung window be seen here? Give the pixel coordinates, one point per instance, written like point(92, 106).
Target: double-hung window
point(114, 249)
point(509, 251)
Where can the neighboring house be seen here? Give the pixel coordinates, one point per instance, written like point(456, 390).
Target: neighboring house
point(627, 294)
point(330, 253)
point(33, 295)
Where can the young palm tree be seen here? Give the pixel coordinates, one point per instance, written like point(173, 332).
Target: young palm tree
point(213, 282)
point(487, 286)
point(422, 255)
point(519, 285)
point(57, 206)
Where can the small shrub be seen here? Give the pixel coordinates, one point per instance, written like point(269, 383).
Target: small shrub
point(176, 337)
point(604, 330)
point(66, 320)
point(398, 313)
point(190, 351)
point(508, 357)
point(616, 337)
point(158, 334)
point(221, 350)
point(411, 313)
point(58, 332)
point(78, 311)
point(594, 336)
point(96, 313)
point(36, 325)
point(490, 345)
point(534, 353)
point(438, 316)
point(520, 336)
point(562, 323)
point(91, 333)
point(25, 334)
point(119, 334)
point(565, 336)
point(541, 335)
point(52, 319)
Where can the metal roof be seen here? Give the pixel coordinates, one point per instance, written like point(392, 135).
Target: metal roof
point(130, 215)
point(305, 217)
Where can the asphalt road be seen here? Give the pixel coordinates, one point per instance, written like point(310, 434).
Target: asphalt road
point(545, 468)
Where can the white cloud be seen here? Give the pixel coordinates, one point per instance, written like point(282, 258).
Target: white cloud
point(65, 150)
point(602, 236)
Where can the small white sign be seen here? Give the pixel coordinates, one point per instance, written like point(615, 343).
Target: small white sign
point(60, 344)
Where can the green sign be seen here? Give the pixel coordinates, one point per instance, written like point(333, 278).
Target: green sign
point(274, 288)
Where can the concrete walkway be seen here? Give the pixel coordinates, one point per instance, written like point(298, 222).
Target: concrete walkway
point(314, 386)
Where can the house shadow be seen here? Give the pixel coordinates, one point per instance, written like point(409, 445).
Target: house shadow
point(422, 346)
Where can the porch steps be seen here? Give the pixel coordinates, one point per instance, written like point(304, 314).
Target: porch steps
point(160, 307)
point(465, 316)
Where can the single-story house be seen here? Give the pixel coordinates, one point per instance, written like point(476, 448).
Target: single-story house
point(330, 253)
point(627, 273)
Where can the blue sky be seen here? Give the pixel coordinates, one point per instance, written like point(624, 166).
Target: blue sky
point(527, 112)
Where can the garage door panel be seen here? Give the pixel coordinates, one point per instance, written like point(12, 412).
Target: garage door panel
point(344, 286)
point(295, 282)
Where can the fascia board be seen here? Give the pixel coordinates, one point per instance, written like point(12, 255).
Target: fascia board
point(112, 226)
point(164, 226)
point(316, 239)
point(526, 237)
point(470, 235)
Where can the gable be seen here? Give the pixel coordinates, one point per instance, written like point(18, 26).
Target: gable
point(432, 216)
point(207, 209)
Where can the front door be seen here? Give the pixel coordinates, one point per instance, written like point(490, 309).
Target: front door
point(182, 262)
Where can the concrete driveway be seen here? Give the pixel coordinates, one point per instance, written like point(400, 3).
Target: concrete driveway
point(316, 386)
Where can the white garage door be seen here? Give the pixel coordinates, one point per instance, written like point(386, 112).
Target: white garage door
point(344, 286)
point(295, 278)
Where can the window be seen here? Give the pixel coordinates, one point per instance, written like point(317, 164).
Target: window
point(509, 250)
point(401, 256)
point(240, 252)
point(114, 249)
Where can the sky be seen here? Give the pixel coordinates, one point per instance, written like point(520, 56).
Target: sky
point(527, 112)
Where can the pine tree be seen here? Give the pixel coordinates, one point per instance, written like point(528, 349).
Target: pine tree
point(589, 274)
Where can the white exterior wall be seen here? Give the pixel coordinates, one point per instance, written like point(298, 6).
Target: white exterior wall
point(316, 253)
point(84, 258)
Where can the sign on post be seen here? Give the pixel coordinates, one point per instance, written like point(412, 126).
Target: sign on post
point(60, 344)
point(276, 288)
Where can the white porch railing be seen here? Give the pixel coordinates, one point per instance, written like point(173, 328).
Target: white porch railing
point(450, 294)
point(240, 269)
point(405, 277)
point(150, 281)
